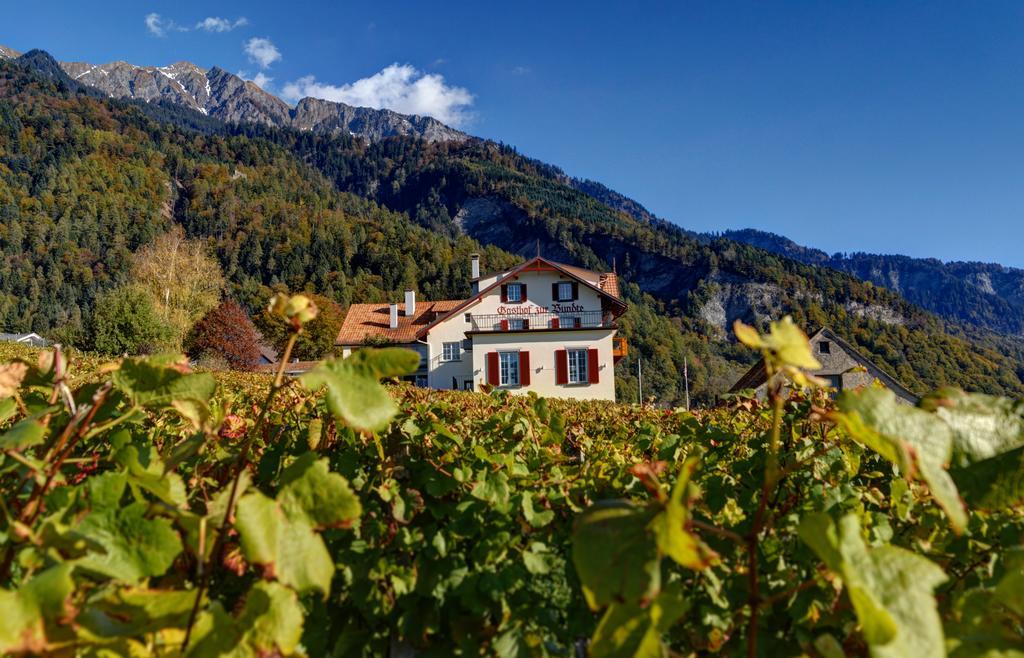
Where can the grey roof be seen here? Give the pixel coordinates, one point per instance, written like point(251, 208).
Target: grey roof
point(758, 374)
point(30, 338)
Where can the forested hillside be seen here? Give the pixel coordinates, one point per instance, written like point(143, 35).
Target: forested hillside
point(87, 181)
point(985, 295)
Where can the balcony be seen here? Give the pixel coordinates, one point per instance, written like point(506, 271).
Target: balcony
point(538, 321)
point(620, 348)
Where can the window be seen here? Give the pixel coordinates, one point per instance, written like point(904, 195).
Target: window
point(514, 292)
point(564, 291)
point(451, 351)
point(467, 385)
point(421, 381)
point(834, 381)
point(577, 366)
point(508, 368)
point(517, 324)
point(569, 321)
point(469, 317)
point(824, 347)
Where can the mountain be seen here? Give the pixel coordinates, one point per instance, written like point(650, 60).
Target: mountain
point(985, 295)
point(216, 93)
point(85, 180)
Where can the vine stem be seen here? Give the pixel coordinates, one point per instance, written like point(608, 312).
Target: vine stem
point(229, 511)
point(771, 478)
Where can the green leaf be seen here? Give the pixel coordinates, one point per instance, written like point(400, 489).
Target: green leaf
point(532, 516)
point(911, 438)
point(322, 498)
point(891, 589)
point(269, 624)
point(285, 546)
point(669, 527)
point(28, 614)
point(126, 545)
point(130, 612)
point(159, 381)
point(23, 434)
point(983, 426)
point(629, 630)
point(785, 343)
point(615, 556)
point(535, 559)
point(493, 488)
point(354, 393)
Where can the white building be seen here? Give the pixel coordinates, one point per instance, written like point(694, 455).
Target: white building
point(541, 326)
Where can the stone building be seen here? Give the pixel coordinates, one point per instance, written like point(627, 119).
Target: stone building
point(842, 366)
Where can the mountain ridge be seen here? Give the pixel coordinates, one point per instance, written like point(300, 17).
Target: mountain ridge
point(220, 94)
point(986, 295)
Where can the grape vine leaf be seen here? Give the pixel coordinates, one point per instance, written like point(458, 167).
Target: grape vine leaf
point(988, 446)
point(284, 544)
point(158, 381)
point(23, 434)
point(614, 554)
point(891, 589)
point(354, 393)
point(911, 438)
point(269, 624)
point(311, 491)
point(130, 612)
point(127, 546)
point(29, 614)
point(631, 630)
point(669, 526)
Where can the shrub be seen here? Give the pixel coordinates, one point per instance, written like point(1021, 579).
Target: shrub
point(125, 322)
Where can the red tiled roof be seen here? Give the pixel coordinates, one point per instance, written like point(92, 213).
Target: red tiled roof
point(366, 320)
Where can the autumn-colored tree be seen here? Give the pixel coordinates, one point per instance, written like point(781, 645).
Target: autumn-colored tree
point(182, 279)
point(317, 338)
point(225, 333)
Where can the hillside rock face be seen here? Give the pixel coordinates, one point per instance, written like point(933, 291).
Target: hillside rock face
point(225, 96)
point(985, 295)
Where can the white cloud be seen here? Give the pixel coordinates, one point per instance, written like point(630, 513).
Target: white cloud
point(262, 81)
point(399, 87)
point(521, 70)
point(160, 26)
point(218, 24)
point(262, 51)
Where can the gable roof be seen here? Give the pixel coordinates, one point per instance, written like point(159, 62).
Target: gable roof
point(374, 320)
point(758, 374)
point(588, 278)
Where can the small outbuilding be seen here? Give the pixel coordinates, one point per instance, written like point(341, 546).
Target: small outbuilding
point(842, 366)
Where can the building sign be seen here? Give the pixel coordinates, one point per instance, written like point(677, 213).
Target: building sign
point(520, 309)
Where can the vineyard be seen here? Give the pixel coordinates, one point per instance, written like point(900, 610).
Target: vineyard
point(149, 509)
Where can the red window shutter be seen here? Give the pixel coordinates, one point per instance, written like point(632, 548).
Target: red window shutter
point(522, 292)
point(561, 367)
point(592, 367)
point(524, 368)
point(504, 325)
point(554, 292)
point(504, 293)
point(493, 376)
point(575, 291)
point(554, 323)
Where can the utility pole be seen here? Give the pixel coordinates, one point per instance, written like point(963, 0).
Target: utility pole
point(640, 377)
point(686, 380)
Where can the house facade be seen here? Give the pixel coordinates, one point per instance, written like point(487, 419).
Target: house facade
point(842, 367)
point(542, 326)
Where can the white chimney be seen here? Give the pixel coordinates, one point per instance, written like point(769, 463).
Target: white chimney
point(410, 303)
point(394, 316)
point(474, 266)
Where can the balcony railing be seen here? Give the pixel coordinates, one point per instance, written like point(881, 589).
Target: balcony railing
point(525, 322)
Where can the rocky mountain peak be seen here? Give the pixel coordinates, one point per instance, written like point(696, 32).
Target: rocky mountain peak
point(226, 96)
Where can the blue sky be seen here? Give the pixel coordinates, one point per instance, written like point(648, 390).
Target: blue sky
point(892, 127)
